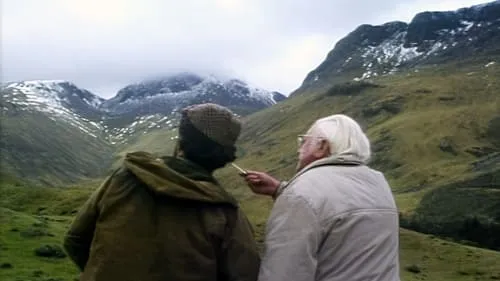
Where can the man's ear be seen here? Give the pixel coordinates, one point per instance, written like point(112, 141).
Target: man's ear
point(322, 149)
point(177, 151)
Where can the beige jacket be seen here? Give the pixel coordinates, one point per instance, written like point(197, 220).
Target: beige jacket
point(334, 221)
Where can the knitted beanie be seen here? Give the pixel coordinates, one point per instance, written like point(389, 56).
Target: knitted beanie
point(216, 122)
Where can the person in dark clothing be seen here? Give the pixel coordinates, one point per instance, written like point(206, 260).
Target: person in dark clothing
point(168, 218)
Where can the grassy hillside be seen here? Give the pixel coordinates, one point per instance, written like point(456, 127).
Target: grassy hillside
point(159, 142)
point(37, 148)
point(24, 228)
point(432, 132)
point(63, 200)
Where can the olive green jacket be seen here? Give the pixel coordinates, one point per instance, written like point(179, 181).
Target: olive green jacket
point(162, 219)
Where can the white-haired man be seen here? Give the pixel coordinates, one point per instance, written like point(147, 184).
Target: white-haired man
point(336, 219)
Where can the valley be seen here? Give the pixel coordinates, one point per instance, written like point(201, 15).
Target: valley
point(432, 115)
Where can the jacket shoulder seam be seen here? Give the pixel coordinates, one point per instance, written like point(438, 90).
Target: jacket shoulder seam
point(366, 210)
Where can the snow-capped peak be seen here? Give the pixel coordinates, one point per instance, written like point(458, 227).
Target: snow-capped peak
point(137, 108)
point(56, 91)
point(169, 94)
point(430, 38)
point(60, 100)
point(231, 84)
point(40, 94)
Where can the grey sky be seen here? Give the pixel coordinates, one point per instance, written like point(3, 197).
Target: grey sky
point(103, 45)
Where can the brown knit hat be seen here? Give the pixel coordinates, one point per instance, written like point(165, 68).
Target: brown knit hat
point(216, 122)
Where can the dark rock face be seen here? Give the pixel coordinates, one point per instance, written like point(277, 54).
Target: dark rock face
point(431, 37)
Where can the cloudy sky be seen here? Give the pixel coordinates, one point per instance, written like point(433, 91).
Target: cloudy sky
point(103, 45)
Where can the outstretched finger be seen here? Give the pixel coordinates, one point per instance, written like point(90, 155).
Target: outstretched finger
point(255, 181)
point(253, 173)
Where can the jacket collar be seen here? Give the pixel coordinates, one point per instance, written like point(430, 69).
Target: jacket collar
point(346, 159)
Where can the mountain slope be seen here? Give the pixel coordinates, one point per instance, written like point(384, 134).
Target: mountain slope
point(430, 38)
point(35, 147)
point(54, 132)
point(433, 133)
point(60, 100)
point(51, 132)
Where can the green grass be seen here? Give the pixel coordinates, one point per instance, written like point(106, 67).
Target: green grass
point(438, 259)
point(443, 260)
point(18, 249)
point(25, 209)
point(417, 130)
point(45, 200)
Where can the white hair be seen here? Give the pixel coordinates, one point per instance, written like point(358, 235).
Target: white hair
point(345, 137)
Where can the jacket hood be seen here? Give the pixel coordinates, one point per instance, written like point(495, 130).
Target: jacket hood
point(176, 177)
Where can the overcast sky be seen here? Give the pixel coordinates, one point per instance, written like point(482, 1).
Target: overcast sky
point(103, 45)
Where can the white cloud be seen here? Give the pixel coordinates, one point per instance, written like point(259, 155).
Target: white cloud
point(103, 45)
point(298, 55)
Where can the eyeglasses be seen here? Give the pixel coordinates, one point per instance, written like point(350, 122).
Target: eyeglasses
point(302, 138)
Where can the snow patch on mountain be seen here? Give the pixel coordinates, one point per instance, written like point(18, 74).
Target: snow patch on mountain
point(255, 93)
point(39, 95)
point(48, 96)
point(391, 50)
point(94, 101)
point(430, 38)
point(491, 63)
point(138, 109)
point(169, 94)
point(468, 25)
point(141, 124)
point(387, 57)
point(53, 93)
